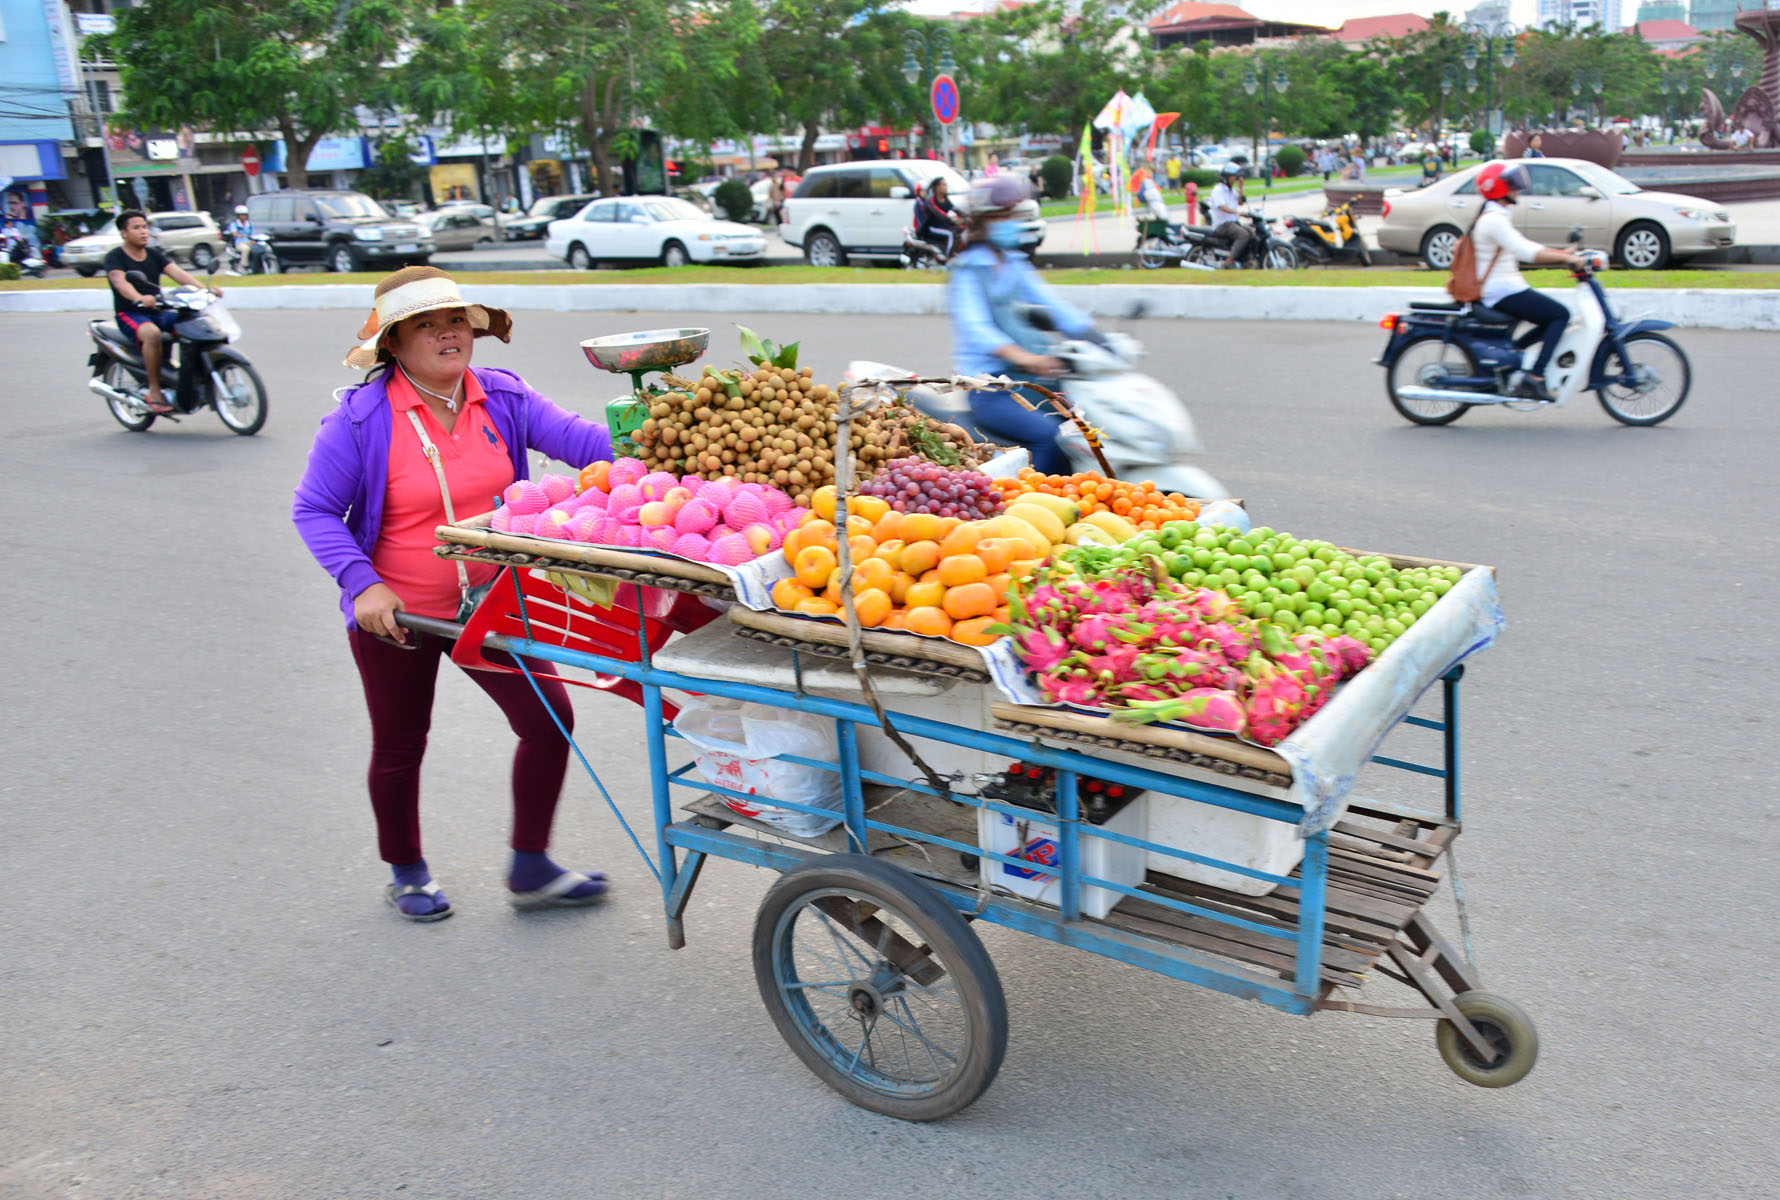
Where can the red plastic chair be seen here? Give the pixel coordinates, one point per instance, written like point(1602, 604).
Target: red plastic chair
point(554, 617)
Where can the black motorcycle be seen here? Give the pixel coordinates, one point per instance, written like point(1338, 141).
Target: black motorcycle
point(253, 255)
point(1265, 250)
point(199, 370)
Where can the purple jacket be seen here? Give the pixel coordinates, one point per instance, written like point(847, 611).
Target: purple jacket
point(338, 509)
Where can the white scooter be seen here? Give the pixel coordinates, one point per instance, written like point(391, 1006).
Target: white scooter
point(1145, 429)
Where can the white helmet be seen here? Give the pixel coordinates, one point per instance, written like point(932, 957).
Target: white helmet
point(241, 210)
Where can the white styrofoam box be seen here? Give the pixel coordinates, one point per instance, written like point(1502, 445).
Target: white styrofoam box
point(965, 705)
point(1035, 839)
point(1222, 833)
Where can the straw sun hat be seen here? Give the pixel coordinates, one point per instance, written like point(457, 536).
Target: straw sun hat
point(413, 290)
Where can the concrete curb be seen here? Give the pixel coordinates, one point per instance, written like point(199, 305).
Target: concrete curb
point(1688, 308)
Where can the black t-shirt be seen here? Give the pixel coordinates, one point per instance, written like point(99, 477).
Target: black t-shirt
point(151, 265)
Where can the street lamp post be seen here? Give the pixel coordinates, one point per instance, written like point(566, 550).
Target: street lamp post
point(939, 39)
point(1590, 89)
point(1448, 82)
point(1489, 33)
point(1251, 85)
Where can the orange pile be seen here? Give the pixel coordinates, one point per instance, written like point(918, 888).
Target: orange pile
point(1138, 502)
point(939, 576)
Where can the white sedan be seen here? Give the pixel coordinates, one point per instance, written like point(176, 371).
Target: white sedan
point(650, 229)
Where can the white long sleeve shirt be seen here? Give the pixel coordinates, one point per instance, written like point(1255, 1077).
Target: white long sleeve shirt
point(1225, 204)
point(1495, 232)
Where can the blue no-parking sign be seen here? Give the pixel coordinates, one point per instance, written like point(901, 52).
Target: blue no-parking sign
point(945, 99)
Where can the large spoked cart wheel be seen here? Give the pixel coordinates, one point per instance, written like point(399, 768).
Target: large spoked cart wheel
point(880, 986)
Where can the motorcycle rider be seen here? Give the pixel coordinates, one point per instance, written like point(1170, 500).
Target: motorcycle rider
point(1500, 248)
point(140, 314)
point(1143, 186)
point(991, 282)
point(239, 231)
point(1227, 203)
point(936, 219)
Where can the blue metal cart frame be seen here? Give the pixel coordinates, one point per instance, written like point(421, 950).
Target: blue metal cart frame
point(1379, 880)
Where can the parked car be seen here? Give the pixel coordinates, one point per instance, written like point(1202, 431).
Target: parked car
point(343, 231)
point(860, 209)
point(403, 208)
point(188, 238)
point(1645, 230)
point(650, 229)
point(532, 226)
point(460, 226)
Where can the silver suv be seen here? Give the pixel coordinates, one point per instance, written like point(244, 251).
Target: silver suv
point(188, 238)
point(860, 209)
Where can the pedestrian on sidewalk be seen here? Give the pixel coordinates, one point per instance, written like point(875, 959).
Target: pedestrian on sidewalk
point(423, 441)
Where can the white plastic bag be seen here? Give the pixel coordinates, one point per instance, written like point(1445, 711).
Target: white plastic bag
point(736, 744)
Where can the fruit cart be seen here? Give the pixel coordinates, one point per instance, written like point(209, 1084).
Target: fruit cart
point(1256, 872)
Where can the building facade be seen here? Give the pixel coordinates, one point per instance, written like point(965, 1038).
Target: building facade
point(1709, 16)
point(1665, 10)
point(42, 78)
point(1581, 13)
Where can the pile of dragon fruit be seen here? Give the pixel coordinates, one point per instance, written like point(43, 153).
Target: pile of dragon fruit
point(726, 521)
point(1171, 653)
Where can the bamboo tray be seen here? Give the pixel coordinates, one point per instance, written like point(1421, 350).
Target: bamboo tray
point(472, 541)
point(883, 648)
point(1167, 743)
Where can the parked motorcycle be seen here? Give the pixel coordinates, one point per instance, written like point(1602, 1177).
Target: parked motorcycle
point(1443, 359)
point(1331, 238)
point(253, 255)
point(1145, 429)
point(20, 252)
point(199, 370)
point(1265, 250)
point(1162, 242)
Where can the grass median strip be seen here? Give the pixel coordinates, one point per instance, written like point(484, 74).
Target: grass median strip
point(800, 276)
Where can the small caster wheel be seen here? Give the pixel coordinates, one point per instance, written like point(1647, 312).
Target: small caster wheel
point(880, 987)
point(1504, 1025)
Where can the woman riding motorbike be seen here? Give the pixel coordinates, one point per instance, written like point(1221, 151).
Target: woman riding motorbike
point(992, 283)
point(1500, 248)
point(936, 221)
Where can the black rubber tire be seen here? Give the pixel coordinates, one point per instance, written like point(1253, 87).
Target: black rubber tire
point(1151, 253)
point(86, 272)
point(341, 259)
point(1502, 1022)
point(1647, 242)
point(579, 259)
point(1656, 418)
point(202, 256)
point(1365, 254)
point(950, 944)
point(1438, 246)
point(673, 254)
point(821, 244)
point(117, 375)
point(1391, 384)
point(1280, 256)
point(258, 420)
point(270, 264)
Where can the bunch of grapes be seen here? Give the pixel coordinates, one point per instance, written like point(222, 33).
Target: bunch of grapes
point(914, 485)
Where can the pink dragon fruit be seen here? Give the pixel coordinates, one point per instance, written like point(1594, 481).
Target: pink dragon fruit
point(1096, 633)
point(1213, 710)
point(625, 471)
point(1217, 606)
point(1041, 649)
point(1354, 654)
point(1074, 687)
point(1310, 665)
point(1118, 665)
point(691, 545)
point(557, 487)
point(525, 497)
point(731, 550)
point(1143, 693)
point(1233, 640)
point(695, 516)
point(1277, 702)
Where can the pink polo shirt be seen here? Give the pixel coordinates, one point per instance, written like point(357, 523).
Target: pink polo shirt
point(477, 468)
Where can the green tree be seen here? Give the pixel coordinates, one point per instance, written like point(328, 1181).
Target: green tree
point(297, 66)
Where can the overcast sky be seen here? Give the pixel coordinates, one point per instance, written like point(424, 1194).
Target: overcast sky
point(1311, 12)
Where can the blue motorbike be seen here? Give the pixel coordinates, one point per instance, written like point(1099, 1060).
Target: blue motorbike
point(1445, 358)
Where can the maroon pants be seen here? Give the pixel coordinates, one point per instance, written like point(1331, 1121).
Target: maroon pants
point(399, 693)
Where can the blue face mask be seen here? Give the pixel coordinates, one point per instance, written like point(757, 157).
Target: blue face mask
point(1004, 235)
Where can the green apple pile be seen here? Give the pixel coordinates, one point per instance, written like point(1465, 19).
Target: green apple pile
point(1301, 585)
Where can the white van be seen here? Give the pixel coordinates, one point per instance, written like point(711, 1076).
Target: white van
point(860, 209)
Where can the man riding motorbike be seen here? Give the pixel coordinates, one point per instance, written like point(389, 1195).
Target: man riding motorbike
point(1227, 202)
point(140, 314)
point(992, 283)
point(239, 231)
point(936, 220)
point(1500, 248)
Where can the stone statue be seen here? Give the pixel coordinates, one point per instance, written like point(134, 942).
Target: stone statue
point(1758, 109)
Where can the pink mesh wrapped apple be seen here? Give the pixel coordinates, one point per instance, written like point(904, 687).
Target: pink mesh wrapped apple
point(525, 497)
